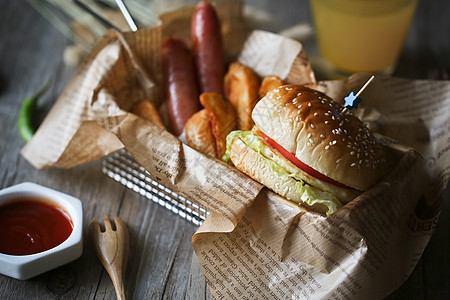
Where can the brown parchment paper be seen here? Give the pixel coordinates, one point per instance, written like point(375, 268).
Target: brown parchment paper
point(254, 244)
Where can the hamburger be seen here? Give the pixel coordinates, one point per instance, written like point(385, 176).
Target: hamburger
point(306, 149)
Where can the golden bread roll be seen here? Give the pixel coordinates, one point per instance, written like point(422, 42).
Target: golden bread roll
point(242, 89)
point(145, 109)
point(222, 116)
point(199, 133)
point(269, 83)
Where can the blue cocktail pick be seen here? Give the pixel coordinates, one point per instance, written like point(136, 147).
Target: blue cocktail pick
point(352, 100)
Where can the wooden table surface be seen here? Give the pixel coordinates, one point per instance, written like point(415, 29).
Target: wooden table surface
point(161, 263)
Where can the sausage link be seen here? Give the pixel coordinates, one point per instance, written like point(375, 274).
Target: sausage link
point(207, 48)
point(180, 83)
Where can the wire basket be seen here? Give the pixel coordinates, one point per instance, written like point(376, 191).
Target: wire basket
point(94, 18)
point(121, 167)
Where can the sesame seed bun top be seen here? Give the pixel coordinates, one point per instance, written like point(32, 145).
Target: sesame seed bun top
point(310, 125)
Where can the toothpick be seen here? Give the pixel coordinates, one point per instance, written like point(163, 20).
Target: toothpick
point(365, 85)
point(353, 98)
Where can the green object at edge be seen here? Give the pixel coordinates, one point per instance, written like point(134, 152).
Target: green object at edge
point(26, 114)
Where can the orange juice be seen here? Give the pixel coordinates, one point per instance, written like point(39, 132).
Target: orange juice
point(362, 35)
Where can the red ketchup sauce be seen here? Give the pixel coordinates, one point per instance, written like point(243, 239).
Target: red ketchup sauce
point(31, 225)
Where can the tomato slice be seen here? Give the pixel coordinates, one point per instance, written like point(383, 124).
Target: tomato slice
point(304, 167)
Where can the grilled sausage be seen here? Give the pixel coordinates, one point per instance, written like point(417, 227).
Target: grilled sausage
point(180, 83)
point(207, 48)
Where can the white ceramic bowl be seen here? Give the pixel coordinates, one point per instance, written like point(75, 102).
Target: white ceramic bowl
point(27, 266)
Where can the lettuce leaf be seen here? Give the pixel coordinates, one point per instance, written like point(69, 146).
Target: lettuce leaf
point(309, 194)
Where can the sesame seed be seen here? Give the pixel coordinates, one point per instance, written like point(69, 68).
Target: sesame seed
point(334, 142)
point(309, 104)
point(322, 135)
point(311, 141)
point(338, 160)
point(316, 114)
point(352, 165)
point(276, 90)
point(308, 144)
point(309, 135)
point(299, 94)
point(326, 122)
point(312, 126)
point(352, 152)
point(327, 147)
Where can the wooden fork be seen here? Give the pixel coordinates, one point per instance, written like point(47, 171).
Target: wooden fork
point(112, 250)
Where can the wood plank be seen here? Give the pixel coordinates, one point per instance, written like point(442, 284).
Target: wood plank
point(197, 287)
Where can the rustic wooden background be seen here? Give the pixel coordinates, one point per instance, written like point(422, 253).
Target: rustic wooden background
point(161, 264)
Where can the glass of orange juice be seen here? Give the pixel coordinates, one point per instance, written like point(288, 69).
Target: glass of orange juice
point(362, 35)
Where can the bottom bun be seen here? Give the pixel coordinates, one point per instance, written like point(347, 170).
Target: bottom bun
point(251, 163)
